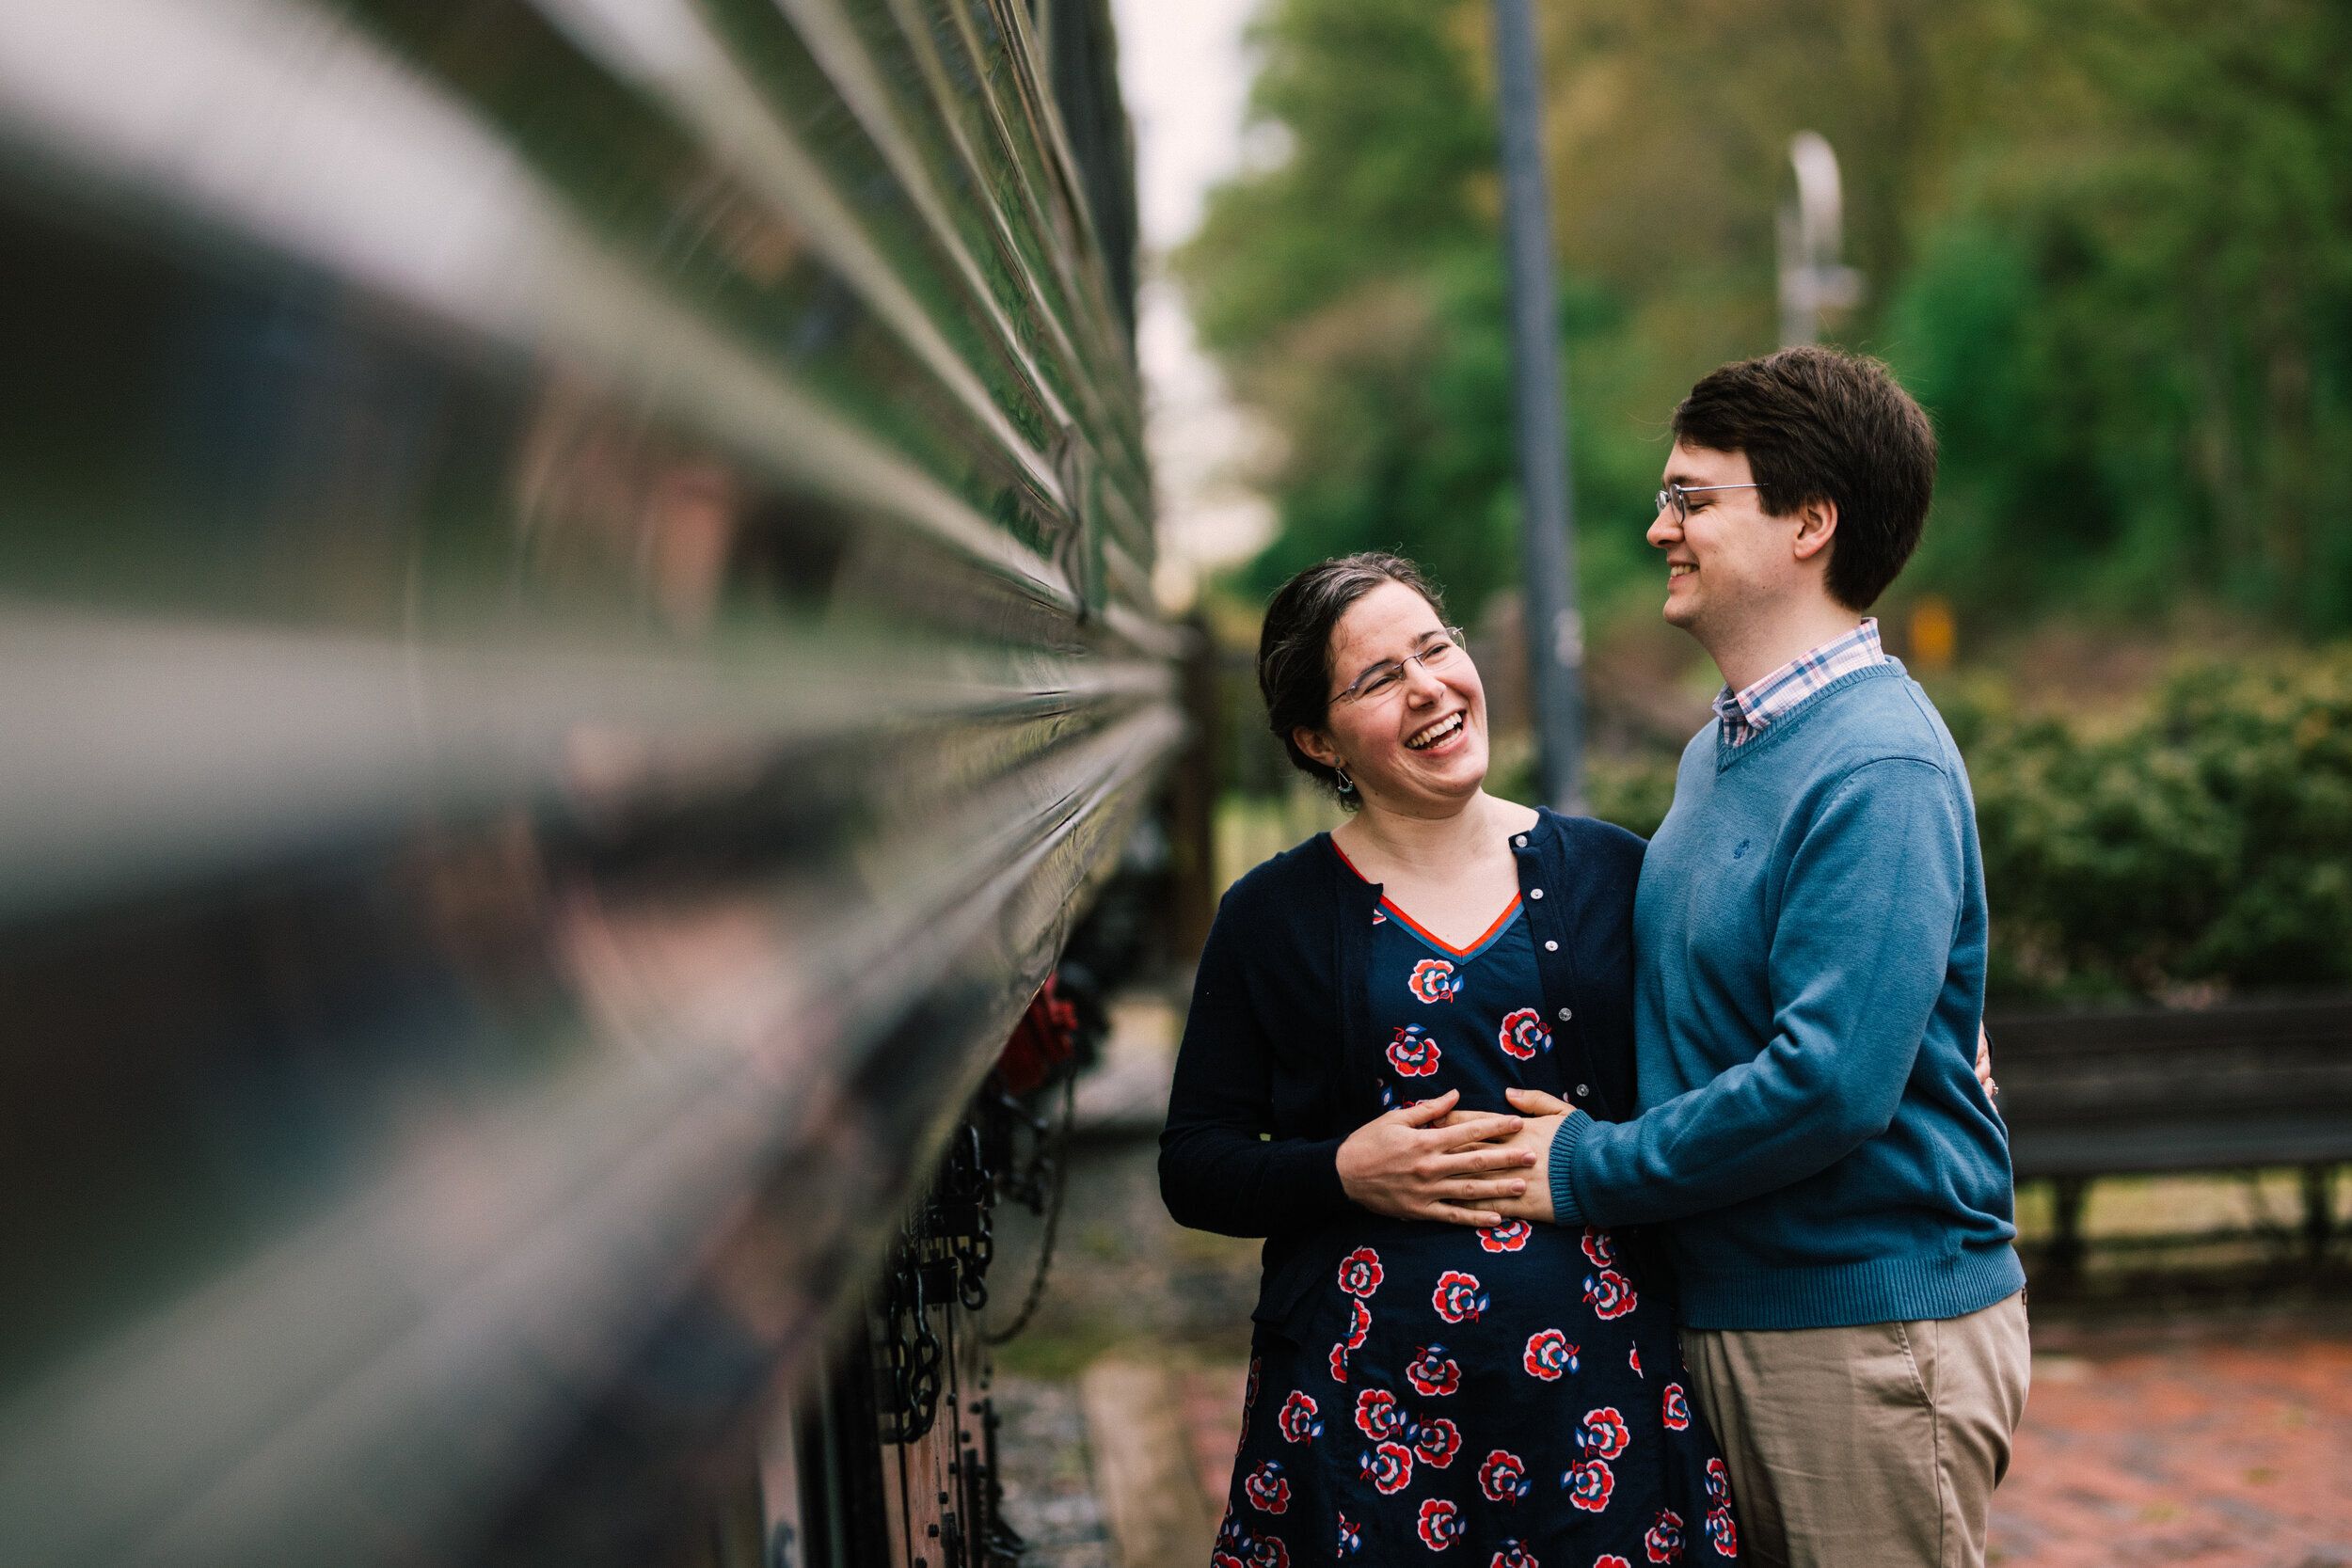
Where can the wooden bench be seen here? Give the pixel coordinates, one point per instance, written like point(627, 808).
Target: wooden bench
point(2145, 1091)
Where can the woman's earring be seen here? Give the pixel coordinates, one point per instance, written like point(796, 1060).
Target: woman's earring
point(1348, 785)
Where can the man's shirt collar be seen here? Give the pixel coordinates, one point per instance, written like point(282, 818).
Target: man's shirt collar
point(1744, 714)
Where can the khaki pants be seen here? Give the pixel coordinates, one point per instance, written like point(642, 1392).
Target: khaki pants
point(1869, 1447)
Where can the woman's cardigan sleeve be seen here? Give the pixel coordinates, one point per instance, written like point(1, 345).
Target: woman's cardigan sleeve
point(1249, 1149)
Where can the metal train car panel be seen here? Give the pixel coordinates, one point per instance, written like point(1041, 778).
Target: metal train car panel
point(574, 634)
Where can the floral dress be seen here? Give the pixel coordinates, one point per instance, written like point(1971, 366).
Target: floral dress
point(1507, 1398)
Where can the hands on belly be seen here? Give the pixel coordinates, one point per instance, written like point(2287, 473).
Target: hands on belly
point(1540, 1115)
point(1431, 1161)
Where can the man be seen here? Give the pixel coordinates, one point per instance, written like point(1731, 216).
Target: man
point(1810, 931)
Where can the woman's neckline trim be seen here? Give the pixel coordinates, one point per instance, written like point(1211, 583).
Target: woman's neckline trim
point(1484, 940)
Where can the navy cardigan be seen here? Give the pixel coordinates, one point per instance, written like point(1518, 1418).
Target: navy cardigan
point(1277, 1068)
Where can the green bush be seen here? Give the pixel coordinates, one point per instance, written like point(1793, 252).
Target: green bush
point(2199, 848)
point(2206, 847)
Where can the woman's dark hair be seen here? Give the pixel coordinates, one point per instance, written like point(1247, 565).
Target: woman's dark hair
point(1295, 646)
point(1818, 424)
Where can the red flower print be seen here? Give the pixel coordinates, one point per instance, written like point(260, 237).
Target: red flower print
point(1437, 1442)
point(1358, 1323)
point(1268, 1492)
point(1589, 1484)
point(1524, 1035)
point(1269, 1552)
point(1549, 1354)
point(1389, 1467)
point(1513, 1555)
point(1509, 1236)
point(1339, 1362)
point(1722, 1533)
point(1599, 1249)
point(1376, 1414)
point(1664, 1540)
point(1359, 1272)
point(1610, 1293)
point(1611, 1560)
point(1634, 1359)
point(1441, 1524)
point(1677, 1408)
point(1603, 1434)
point(1433, 1373)
point(1223, 1559)
point(1297, 1421)
point(1351, 1537)
point(1433, 981)
point(1718, 1481)
point(1413, 1053)
point(1503, 1477)
point(1458, 1297)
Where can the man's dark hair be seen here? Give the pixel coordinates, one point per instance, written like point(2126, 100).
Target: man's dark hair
point(1818, 424)
point(1294, 672)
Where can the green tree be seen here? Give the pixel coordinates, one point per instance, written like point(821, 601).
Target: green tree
point(2109, 245)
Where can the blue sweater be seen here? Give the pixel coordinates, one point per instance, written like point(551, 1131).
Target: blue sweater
point(1809, 942)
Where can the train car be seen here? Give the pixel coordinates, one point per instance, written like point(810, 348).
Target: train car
point(574, 637)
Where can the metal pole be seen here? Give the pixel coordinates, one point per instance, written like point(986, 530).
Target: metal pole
point(1555, 632)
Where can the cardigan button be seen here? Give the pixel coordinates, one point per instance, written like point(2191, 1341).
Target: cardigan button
point(1582, 1092)
point(1566, 1014)
point(1534, 893)
point(1521, 841)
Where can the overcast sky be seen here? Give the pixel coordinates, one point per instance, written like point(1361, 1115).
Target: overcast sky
point(1181, 64)
point(1183, 74)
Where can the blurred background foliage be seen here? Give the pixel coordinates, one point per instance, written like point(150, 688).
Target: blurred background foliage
point(2108, 245)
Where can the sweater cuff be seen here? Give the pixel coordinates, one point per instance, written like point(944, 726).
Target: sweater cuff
point(1317, 1173)
point(1565, 1208)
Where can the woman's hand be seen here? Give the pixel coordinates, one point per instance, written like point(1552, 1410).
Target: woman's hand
point(1984, 1062)
point(1402, 1166)
point(1540, 1115)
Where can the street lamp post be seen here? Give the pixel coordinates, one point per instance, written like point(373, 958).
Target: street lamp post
point(1811, 279)
point(1554, 631)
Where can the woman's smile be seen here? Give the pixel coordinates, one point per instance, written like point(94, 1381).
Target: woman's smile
point(1434, 736)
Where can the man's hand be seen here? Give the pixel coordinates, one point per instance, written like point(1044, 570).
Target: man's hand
point(1984, 1062)
point(1407, 1166)
point(1540, 1115)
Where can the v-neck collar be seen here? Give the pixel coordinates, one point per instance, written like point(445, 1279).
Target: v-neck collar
point(1393, 911)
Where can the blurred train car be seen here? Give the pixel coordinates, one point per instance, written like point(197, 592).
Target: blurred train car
point(574, 636)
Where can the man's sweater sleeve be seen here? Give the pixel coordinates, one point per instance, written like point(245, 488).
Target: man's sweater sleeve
point(1217, 1171)
point(1858, 957)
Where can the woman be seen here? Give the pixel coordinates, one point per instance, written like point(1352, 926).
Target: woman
point(1424, 1377)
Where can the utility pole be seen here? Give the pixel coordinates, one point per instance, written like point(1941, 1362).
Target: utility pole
point(1554, 630)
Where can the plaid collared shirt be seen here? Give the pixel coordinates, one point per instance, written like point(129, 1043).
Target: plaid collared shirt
point(1744, 714)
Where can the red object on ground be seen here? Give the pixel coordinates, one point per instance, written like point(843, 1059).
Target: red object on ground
point(1045, 1039)
point(2216, 1447)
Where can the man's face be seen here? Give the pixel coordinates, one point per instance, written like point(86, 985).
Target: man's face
point(1728, 557)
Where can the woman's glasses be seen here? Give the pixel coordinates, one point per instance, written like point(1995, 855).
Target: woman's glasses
point(1676, 498)
point(1388, 675)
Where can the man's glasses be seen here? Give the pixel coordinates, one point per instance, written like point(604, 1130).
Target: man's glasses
point(1388, 675)
point(1676, 498)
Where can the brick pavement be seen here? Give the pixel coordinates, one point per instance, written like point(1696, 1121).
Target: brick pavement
point(2218, 1446)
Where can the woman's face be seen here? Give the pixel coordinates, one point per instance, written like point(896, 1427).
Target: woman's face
point(1420, 744)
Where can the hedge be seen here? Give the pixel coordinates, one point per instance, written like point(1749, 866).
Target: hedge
point(2199, 846)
